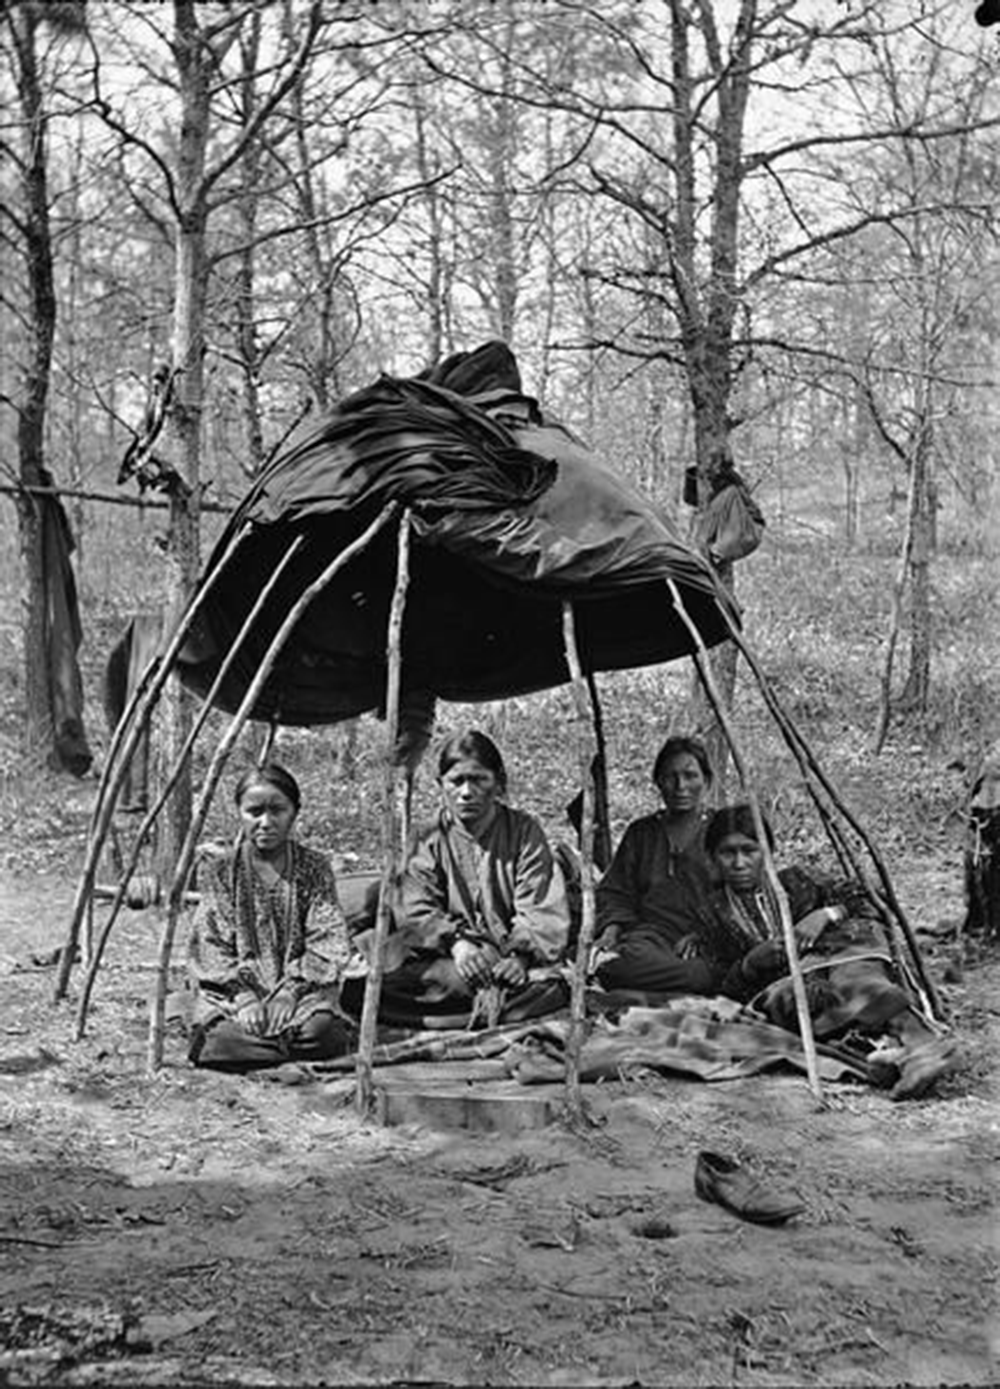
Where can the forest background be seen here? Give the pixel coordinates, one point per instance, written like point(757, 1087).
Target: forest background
point(749, 231)
point(762, 230)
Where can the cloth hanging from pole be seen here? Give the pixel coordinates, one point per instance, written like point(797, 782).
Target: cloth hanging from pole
point(63, 634)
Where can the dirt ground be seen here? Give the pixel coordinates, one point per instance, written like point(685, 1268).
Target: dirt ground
point(190, 1228)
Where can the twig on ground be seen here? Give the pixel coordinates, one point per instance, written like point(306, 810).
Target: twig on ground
point(27, 1239)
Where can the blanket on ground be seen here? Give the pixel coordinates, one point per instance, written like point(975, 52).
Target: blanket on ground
point(708, 1039)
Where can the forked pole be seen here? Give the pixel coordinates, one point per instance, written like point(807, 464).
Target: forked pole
point(585, 741)
point(175, 897)
point(180, 762)
point(780, 897)
point(803, 754)
point(364, 1093)
point(131, 726)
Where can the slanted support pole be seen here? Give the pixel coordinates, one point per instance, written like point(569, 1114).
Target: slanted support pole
point(704, 669)
point(149, 819)
point(813, 773)
point(585, 741)
point(124, 741)
point(364, 1073)
point(182, 871)
point(603, 847)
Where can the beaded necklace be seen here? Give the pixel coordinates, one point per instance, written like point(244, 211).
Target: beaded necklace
point(750, 914)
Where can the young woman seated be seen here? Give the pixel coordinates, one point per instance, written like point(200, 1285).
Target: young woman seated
point(855, 995)
point(482, 903)
point(652, 895)
point(268, 945)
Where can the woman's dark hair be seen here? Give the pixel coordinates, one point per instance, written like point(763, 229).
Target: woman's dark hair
point(673, 747)
point(274, 775)
point(734, 819)
point(477, 745)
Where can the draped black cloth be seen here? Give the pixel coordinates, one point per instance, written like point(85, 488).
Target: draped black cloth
point(512, 516)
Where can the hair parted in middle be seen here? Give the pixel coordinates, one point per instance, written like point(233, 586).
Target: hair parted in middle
point(734, 819)
point(269, 774)
point(674, 747)
point(472, 744)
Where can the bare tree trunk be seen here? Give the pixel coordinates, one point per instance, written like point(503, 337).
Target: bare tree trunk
point(321, 362)
point(722, 660)
point(502, 211)
point(850, 452)
point(852, 509)
point(590, 325)
point(916, 688)
point(246, 327)
point(706, 322)
point(41, 324)
point(436, 271)
point(74, 355)
point(188, 350)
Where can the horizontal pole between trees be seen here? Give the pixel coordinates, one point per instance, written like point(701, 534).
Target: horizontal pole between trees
point(111, 498)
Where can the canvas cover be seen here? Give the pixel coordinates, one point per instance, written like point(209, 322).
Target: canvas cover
point(512, 516)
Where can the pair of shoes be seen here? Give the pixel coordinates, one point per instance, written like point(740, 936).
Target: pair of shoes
point(721, 1179)
point(924, 1066)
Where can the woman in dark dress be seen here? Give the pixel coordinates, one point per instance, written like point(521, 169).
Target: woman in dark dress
point(653, 893)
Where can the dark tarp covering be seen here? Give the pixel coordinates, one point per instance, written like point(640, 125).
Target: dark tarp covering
point(512, 516)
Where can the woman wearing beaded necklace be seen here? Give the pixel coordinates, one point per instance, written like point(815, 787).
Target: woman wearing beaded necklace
point(269, 945)
point(855, 992)
point(652, 894)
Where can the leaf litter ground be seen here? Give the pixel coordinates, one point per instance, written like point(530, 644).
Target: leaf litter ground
point(188, 1227)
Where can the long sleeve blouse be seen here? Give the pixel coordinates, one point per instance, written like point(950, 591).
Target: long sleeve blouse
point(502, 885)
point(651, 886)
point(251, 940)
point(734, 925)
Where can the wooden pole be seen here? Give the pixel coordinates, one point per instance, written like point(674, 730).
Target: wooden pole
point(158, 669)
point(124, 741)
point(180, 762)
point(603, 848)
point(803, 754)
point(87, 942)
point(175, 897)
point(111, 498)
point(585, 756)
point(846, 857)
point(364, 1072)
point(703, 666)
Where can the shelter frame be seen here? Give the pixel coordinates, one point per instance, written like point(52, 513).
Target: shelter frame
point(679, 628)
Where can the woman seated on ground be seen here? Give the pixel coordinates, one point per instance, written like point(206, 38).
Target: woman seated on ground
point(268, 944)
point(483, 904)
point(653, 892)
point(855, 996)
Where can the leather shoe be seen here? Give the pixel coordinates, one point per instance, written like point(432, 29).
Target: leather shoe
point(721, 1179)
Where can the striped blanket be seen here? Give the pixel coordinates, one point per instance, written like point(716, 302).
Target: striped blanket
point(711, 1039)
